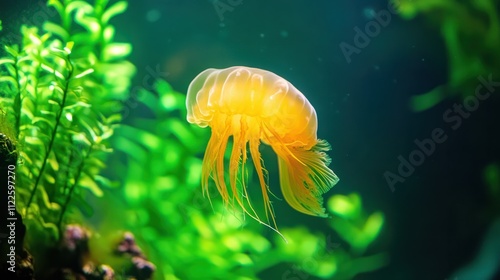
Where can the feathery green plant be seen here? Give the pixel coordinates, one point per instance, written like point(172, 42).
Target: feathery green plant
point(60, 93)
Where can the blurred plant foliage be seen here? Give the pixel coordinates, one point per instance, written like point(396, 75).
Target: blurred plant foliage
point(61, 90)
point(471, 33)
point(189, 238)
point(491, 177)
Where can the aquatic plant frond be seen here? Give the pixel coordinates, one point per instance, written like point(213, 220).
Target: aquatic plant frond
point(61, 100)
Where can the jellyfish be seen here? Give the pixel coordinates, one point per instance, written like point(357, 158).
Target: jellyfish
point(254, 106)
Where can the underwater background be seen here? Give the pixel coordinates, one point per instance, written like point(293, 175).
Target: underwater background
point(406, 92)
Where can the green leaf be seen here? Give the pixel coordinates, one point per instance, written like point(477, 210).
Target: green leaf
point(50, 179)
point(115, 9)
point(35, 141)
point(48, 113)
point(95, 162)
point(108, 34)
point(84, 73)
point(90, 129)
point(46, 201)
point(150, 140)
point(6, 60)
point(57, 5)
point(107, 133)
point(149, 99)
point(89, 23)
point(183, 132)
point(54, 164)
point(25, 157)
point(11, 68)
point(115, 118)
point(56, 30)
point(52, 70)
point(28, 59)
point(134, 151)
point(88, 183)
point(69, 47)
point(53, 102)
point(103, 181)
point(81, 138)
point(50, 227)
point(163, 87)
point(348, 207)
point(41, 119)
point(79, 6)
point(8, 79)
point(116, 51)
point(12, 50)
point(78, 104)
point(373, 226)
point(37, 41)
point(171, 102)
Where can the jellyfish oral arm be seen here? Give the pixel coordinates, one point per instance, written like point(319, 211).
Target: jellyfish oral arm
point(305, 177)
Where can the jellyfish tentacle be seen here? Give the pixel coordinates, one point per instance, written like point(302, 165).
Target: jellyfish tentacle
point(246, 127)
point(237, 163)
point(213, 163)
point(209, 159)
point(305, 177)
point(234, 163)
point(256, 158)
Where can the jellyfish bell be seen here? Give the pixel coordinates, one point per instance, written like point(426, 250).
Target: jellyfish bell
point(256, 106)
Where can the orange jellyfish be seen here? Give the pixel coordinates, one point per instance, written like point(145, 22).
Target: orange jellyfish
point(252, 106)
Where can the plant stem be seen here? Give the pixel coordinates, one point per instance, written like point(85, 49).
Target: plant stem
point(53, 137)
point(73, 187)
point(17, 101)
point(68, 165)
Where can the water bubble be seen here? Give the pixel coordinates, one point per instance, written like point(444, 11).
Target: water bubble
point(153, 15)
point(369, 12)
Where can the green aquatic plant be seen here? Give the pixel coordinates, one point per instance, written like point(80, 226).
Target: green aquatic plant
point(491, 178)
point(471, 33)
point(484, 265)
point(158, 161)
point(61, 97)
